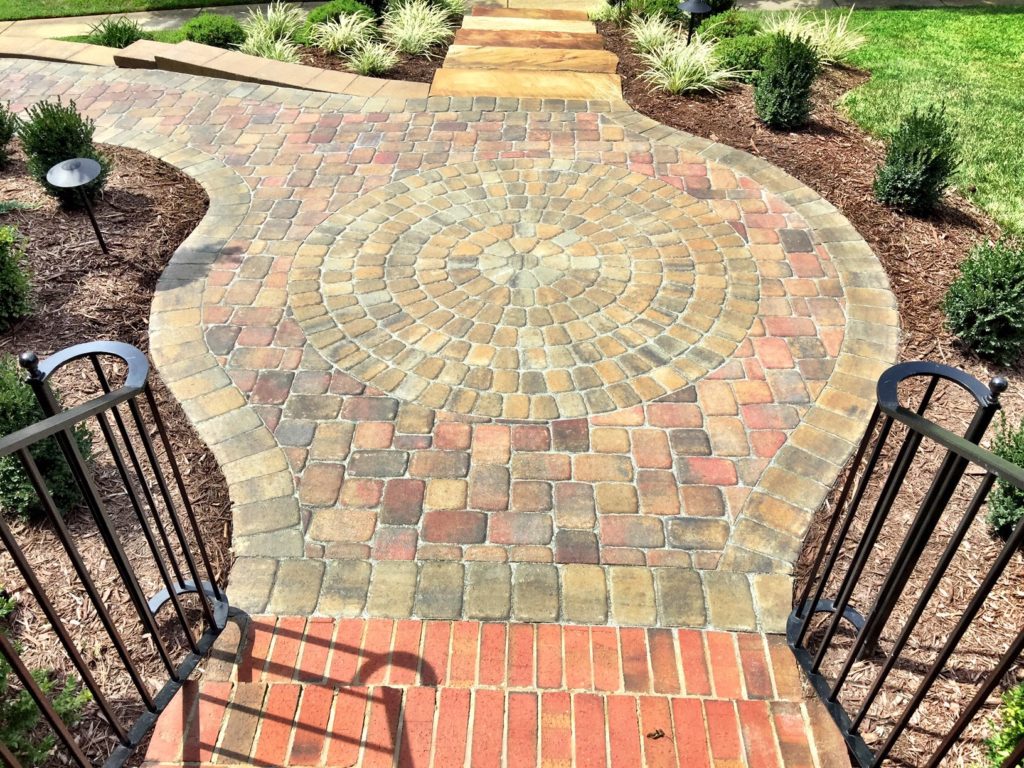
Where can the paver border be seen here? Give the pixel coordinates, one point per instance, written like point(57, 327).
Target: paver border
point(752, 589)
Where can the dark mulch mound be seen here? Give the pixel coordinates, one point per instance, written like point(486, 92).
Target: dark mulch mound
point(80, 294)
point(837, 159)
point(416, 69)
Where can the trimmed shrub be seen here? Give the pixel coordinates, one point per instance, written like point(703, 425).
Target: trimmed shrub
point(53, 132)
point(15, 288)
point(984, 306)
point(730, 24)
point(1001, 744)
point(782, 92)
point(214, 29)
point(919, 161)
point(372, 59)
point(19, 409)
point(19, 714)
point(117, 32)
point(8, 127)
point(415, 26)
point(335, 9)
point(743, 54)
point(830, 36)
point(681, 68)
point(345, 34)
point(1006, 502)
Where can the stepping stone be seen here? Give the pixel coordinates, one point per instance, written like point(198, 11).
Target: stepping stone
point(527, 83)
point(480, 57)
point(531, 13)
point(528, 25)
point(494, 37)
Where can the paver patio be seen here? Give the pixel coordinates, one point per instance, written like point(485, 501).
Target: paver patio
point(494, 359)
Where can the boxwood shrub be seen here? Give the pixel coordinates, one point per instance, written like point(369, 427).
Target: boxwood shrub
point(782, 91)
point(8, 127)
point(214, 29)
point(335, 9)
point(920, 159)
point(14, 283)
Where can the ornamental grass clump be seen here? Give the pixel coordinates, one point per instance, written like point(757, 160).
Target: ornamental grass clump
point(344, 35)
point(262, 43)
point(621, 13)
point(280, 22)
point(984, 306)
point(215, 29)
point(8, 128)
point(415, 27)
point(52, 132)
point(1006, 502)
point(830, 36)
point(372, 59)
point(652, 32)
point(920, 160)
point(455, 9)
point(336, 9)
point(782, 91)
point(19, 409)
point(680, 68)
point(117, 32)
point(15, 288)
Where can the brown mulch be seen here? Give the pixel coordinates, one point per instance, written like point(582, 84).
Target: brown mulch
point(416, 69)
point(836, 158)
point(146, 211)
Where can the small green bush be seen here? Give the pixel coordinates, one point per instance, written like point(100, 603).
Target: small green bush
point(919, 162)
point(626, 11)
point(8, 127)
point(1006, 502)
point(14, 284)
point(1001, 744)
point(19, 409)
point(782, 92)
point(730, 24)
point(744, 54)
point(117, 32)
point(52, 132)
point(335, 9)
point(984, 306)
point(19, 715)
point(214, 29)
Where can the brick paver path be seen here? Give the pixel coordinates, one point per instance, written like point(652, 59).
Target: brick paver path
point(496, 359)
point(380, 692)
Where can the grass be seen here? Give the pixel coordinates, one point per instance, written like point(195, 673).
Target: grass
point(969, 59)
point(11, 10)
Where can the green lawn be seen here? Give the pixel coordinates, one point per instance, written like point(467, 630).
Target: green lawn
point(973, 61)
point(45, 9)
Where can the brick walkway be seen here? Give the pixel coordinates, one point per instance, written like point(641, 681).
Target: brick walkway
point(500, 359)
point(379, 693)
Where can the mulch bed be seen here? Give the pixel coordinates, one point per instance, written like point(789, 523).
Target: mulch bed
point(836, 158)
point(416, 69)
point(146, 211)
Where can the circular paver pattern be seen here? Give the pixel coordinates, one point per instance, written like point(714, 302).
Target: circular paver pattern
point(527, 289)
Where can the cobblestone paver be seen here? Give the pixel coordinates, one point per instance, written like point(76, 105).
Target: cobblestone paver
point(492, 359)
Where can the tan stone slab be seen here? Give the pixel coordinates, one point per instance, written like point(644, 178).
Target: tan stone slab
point(526, 84)
point(96, 55)
point(495, 37)
point(531, 13)
point(528, 25)
point(330, 81)
point(188, 58)
point(54, 50)
point(555, 59)
point(141, 54)
point(269, 72)
point(403, 89)
point(365, 86)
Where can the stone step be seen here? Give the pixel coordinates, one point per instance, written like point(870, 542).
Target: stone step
point(494, 37)
point(530, 13)
point(527, 83)
point(528, 25)
point(555, 59)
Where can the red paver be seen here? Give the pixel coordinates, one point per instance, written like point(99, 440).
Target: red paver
point(563, 710)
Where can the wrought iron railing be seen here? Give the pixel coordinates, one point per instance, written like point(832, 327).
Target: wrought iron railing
point(135, 440)
point(863, 509)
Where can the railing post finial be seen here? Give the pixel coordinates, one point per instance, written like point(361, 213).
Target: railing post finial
point(30, 362)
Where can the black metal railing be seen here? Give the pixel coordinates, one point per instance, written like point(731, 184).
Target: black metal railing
point(863, 509)
point(152, 489)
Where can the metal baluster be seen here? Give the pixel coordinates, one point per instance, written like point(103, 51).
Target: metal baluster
point(8, 760)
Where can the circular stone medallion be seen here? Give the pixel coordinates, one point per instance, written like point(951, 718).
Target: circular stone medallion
point(526, 289)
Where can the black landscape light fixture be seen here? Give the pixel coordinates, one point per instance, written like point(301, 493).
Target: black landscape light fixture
point(75, 174)
point(697, 10)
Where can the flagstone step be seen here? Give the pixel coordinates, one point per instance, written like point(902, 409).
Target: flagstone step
point(497, 37)
point(527, 83)
point(531, 13)
point(513, 24)
point(482, 57)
